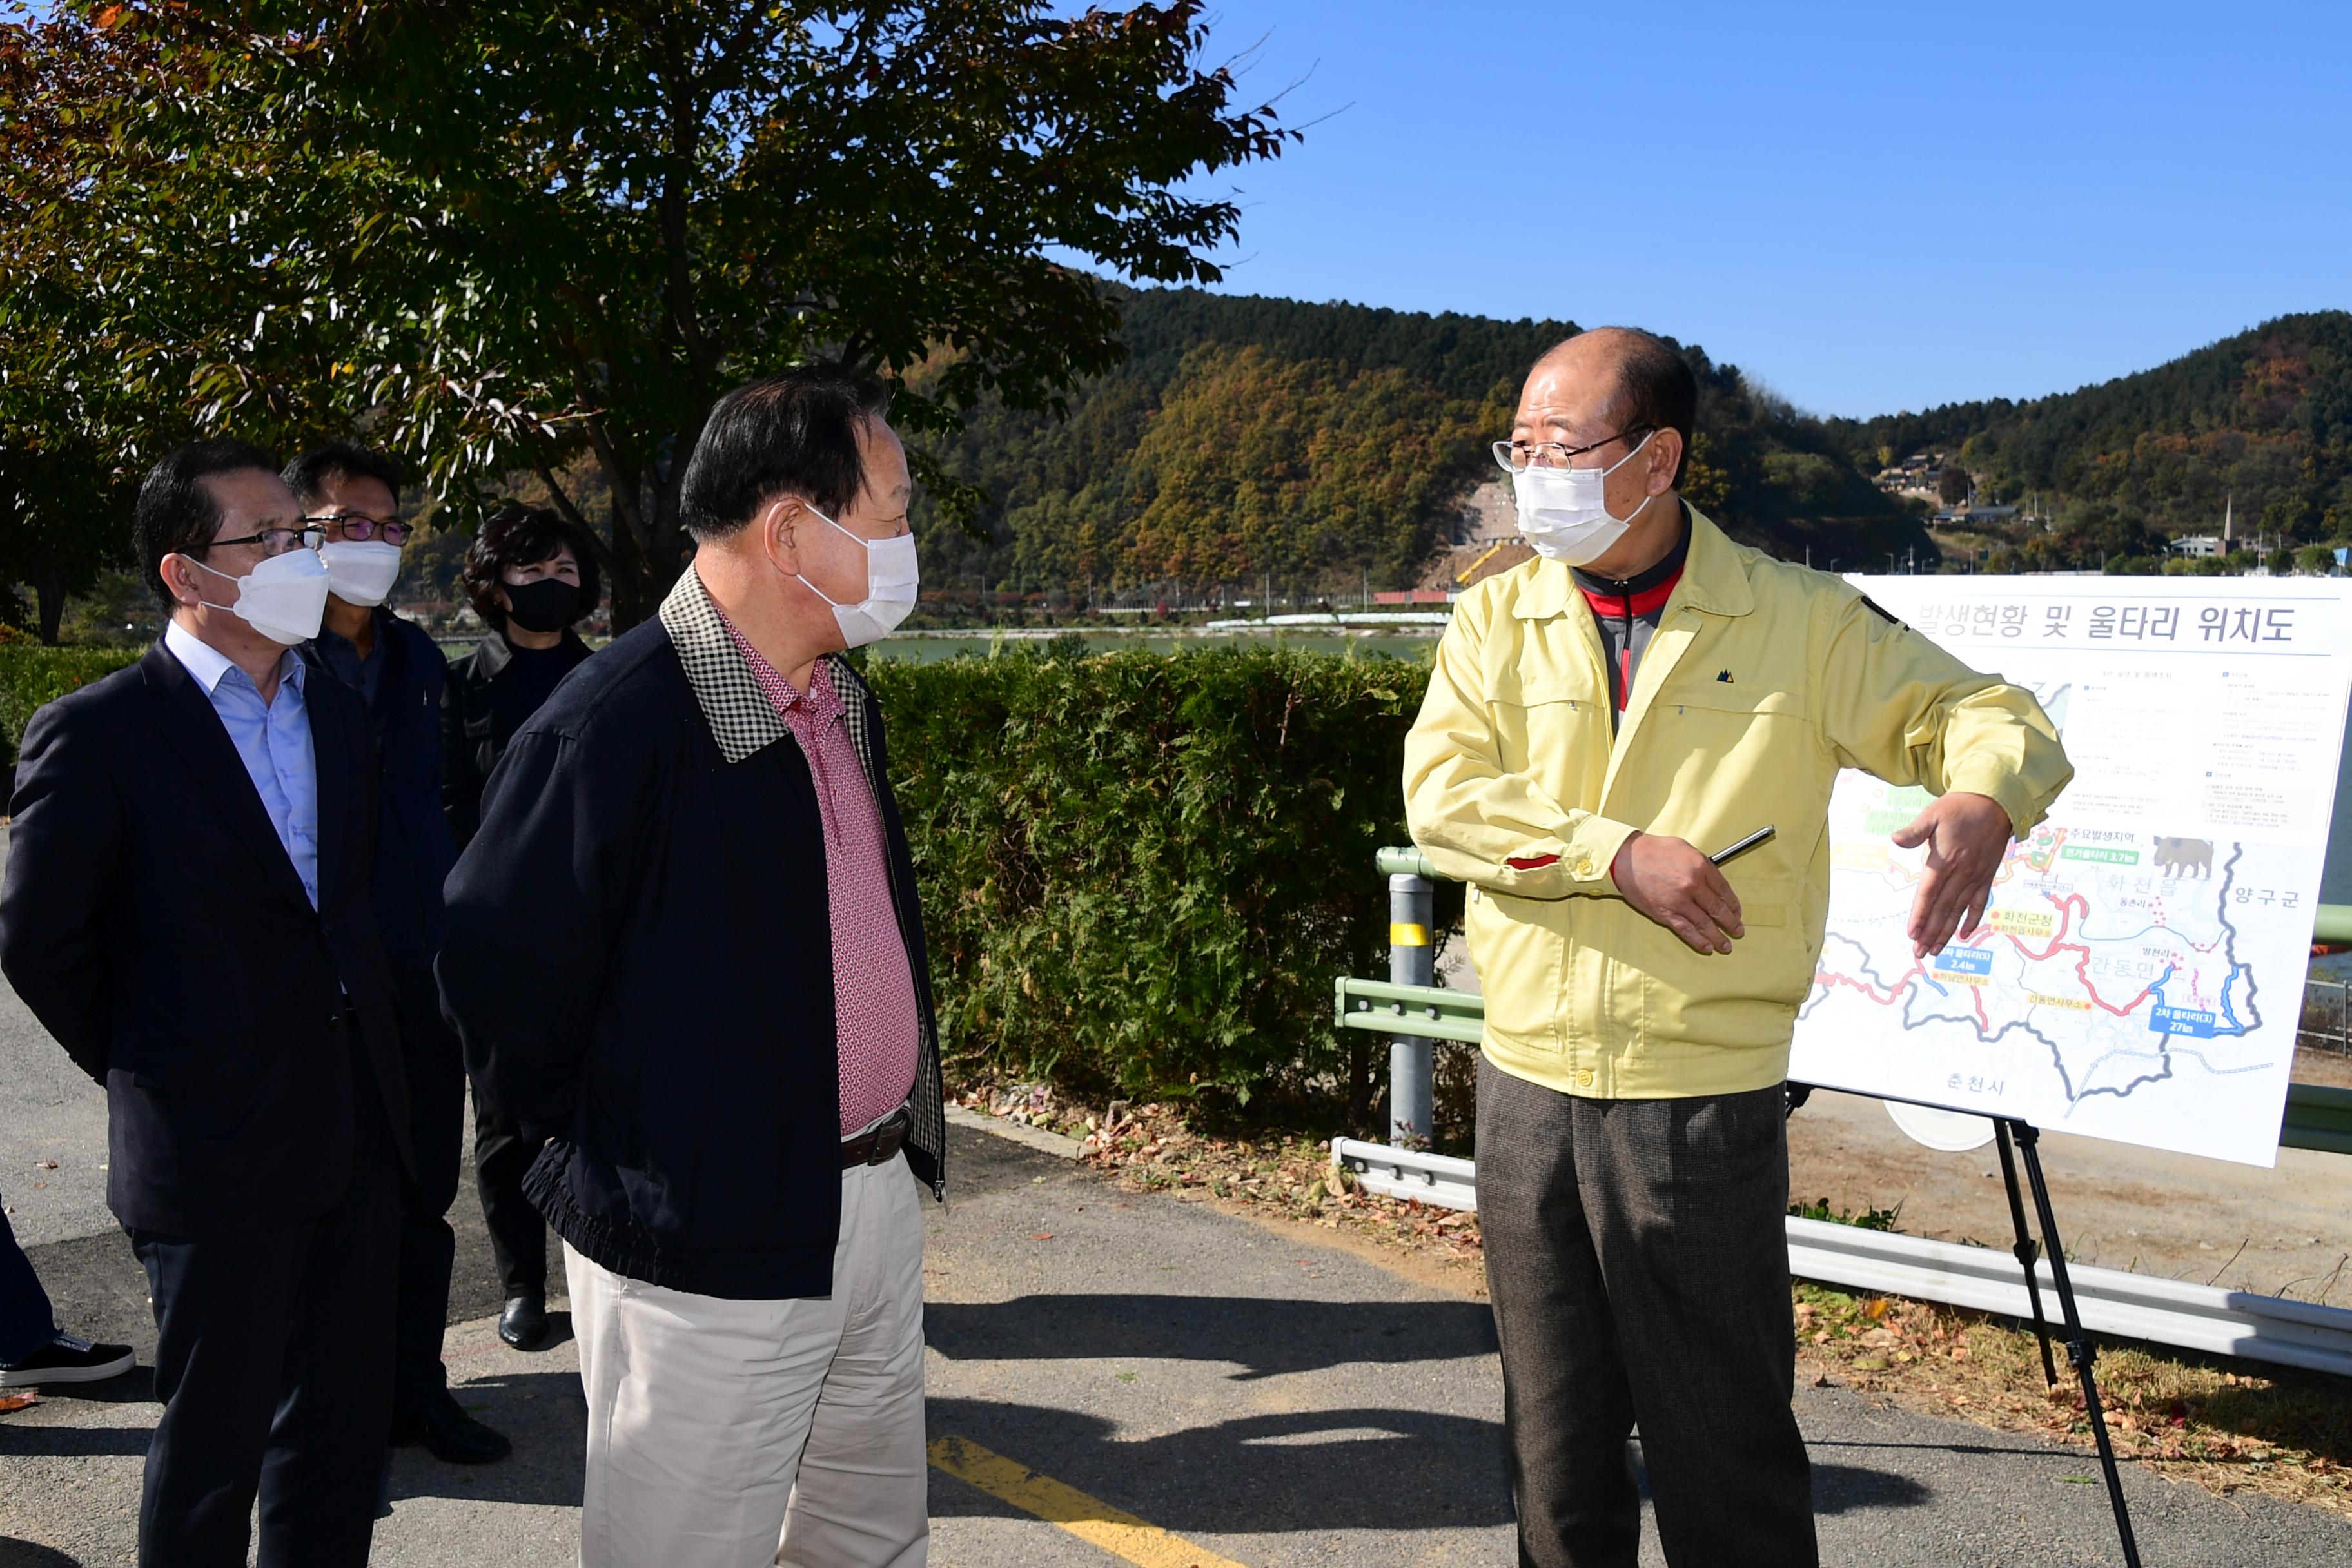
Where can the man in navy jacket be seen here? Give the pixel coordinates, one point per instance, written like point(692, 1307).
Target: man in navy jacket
point(351, 494)
point(187, 912)
point(687, 944)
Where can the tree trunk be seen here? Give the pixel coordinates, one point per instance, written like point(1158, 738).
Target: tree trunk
point(634, 595)
point(50, 590)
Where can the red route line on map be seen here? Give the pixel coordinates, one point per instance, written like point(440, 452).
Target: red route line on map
point(2058, 944)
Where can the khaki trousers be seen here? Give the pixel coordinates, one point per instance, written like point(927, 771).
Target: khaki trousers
point(728, 1433)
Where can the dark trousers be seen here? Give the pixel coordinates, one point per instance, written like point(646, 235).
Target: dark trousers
point(27, 1319)
point(1638, 1263)
point(502, 1157)
point(428, 1248)
point(274, 1364)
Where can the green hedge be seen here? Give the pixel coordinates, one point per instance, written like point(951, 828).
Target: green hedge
point(31, 675)
point(1143, 872)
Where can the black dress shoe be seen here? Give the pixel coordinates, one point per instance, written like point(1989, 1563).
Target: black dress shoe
point(67, 1358)
point(523, 1324)
point(450, 1435)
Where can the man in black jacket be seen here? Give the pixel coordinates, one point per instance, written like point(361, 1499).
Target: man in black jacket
point(351, 493)
point(719, 1006)
point(187, 910)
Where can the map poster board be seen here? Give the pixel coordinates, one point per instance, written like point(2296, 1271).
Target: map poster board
point(2139, 973)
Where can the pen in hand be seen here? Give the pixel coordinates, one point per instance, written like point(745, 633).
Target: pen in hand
point(1733, 852)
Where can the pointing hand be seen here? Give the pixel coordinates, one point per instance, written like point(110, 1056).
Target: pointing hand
point(1967, 837)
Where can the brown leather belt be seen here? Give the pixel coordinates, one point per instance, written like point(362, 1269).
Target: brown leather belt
point(878, 1144)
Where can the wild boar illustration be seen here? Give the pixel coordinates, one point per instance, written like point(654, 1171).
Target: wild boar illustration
point(2179, 857)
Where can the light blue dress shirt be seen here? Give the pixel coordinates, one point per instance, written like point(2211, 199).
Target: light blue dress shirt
point(273, 739)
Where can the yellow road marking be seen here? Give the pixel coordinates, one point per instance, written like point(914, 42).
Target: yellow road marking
point(1116, 1532)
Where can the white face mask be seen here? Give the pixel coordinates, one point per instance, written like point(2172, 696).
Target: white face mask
point(284, 598)
point(891, 578)
point(1564, 512)
point(361, 571)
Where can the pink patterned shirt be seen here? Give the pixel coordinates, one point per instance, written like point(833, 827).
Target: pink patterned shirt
point(877, 1032)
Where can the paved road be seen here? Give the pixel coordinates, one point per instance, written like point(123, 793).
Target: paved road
point(1269, 1400)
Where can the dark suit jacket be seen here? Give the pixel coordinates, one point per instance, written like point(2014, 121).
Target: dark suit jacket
point(414, 849)
point(153, 924)
point(486, 700)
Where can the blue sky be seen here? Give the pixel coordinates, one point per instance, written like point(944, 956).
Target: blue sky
point(1867, 206)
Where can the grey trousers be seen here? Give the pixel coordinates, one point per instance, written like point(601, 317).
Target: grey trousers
point(1639, 1269)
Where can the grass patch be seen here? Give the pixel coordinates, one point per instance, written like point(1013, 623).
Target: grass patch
point(1864, 1219)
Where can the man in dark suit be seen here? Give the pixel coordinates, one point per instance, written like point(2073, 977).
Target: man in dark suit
point(392, 664)
point(187, 910)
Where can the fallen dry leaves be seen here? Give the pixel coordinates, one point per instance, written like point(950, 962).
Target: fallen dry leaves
point(1149, 1147)
point(2229, 1426)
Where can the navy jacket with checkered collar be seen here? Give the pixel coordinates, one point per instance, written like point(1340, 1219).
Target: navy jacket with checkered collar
point(639, 961)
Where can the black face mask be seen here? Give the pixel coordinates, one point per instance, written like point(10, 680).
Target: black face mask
point(549, 605)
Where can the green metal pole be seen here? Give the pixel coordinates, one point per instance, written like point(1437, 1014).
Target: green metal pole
point(1407, 860)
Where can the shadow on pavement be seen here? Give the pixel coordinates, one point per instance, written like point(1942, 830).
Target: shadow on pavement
point(1379, 1469)
point(72, 1442)
point(1328, 1469)
point(2063, 1454)
point(1267, 1338)
point(541, 1414)
point(1854, 1488)
point(136, 1386)
point(25, 1554)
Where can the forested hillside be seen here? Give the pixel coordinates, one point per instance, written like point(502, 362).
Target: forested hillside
point(1325, 446)
point(2262, 419)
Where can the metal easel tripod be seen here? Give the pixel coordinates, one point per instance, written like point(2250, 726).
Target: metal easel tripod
point(2080, 1351)
point(2015, 1138)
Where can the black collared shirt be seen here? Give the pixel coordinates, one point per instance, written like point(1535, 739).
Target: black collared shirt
point(1627, 611)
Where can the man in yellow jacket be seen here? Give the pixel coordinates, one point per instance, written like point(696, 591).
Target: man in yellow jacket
point(1643, 692)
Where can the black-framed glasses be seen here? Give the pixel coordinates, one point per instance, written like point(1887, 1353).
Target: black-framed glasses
point(1515, 456)
point(280, 541)
point(359, 528)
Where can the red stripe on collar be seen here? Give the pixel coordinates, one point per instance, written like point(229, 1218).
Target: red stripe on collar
point(1646, 602)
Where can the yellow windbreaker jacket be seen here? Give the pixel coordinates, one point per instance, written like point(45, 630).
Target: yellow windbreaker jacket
point(1763, 680)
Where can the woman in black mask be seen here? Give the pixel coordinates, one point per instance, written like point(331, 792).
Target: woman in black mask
point(529, 574)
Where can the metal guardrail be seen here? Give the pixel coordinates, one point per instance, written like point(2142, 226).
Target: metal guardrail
point(1393, 1172)
point(1430, 1012)
point(2331, 923)
point(2316, 1117)
point(2127, 1305)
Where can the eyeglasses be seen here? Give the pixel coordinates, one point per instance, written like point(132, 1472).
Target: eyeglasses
point(359, 528)
point(280, 541)
point(1516, 455)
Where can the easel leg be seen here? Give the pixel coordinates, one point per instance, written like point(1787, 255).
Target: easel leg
point(2025, 1251)
point(2079, 1349)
